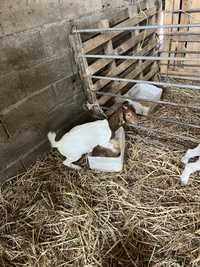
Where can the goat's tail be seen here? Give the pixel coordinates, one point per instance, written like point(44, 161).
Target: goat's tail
point(52, 139)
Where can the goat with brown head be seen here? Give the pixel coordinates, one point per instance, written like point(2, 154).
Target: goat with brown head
point(125, 114)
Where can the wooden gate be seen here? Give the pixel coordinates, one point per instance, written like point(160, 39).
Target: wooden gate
point(183, 42)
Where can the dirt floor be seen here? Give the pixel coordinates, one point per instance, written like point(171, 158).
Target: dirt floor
point(53, 216)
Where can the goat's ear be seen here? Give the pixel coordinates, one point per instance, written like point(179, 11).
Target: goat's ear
point(125, 107)
point(133, 108)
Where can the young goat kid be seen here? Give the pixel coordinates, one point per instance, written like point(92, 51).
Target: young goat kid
point(84, 138)
point(125, 114)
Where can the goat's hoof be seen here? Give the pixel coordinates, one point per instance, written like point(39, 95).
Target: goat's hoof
point(184, 160)
point(77, 168)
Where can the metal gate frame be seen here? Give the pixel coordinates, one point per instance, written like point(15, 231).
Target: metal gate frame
point(104, 62)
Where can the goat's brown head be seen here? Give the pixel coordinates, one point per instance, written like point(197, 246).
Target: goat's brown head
point(129, 114)
point(125, 114)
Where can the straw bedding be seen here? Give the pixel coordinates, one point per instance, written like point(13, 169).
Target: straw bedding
point(53, 216)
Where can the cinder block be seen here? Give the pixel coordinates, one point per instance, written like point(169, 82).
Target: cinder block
point(36, 153)
point(54, 37)
point(10, 90)
point(25, 161)
point(66, 89)
point(31, 112)
point(3, 135)
point(20, 51)
point(65, 113)
point(22, 14)
point(36, 110)
point(46, 73)
point(75, 8)
point(18, 145)
point(15, 168)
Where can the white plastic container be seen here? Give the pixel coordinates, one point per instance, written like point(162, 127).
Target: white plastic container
point(144, 91)
point(110, 164)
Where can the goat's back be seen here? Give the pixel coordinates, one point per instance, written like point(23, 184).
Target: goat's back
point(83, 138)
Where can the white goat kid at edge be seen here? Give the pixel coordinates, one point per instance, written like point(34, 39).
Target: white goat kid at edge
point(81, 140)
point(192, 167)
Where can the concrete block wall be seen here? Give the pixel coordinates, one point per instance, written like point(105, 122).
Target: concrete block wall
point(39, 86)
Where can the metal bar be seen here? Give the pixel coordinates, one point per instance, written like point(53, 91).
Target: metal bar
point(178, 33)
point(167, 120)
point(178, 85)
point(160, 102)
point(181, 77)
point(139, 57)
point(150, 130)
point(197, 10)
point(181, 65)
point(170, 120)
point(179, 52)
point(134, 28)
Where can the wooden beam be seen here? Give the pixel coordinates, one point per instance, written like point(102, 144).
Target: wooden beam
point(123, 66)
point(116, 87)
point(103, 38)
point(100, 63)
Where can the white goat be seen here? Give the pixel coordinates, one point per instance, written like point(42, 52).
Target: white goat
point(82, 139)
point(192, 167)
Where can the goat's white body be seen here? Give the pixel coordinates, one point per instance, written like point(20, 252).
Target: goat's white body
point(191, 153)
point(82, 139)
point(192, 167)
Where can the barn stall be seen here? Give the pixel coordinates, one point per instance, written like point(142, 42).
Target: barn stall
point(54, 216)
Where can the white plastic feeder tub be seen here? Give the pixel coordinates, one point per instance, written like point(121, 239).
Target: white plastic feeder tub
point(110, 164)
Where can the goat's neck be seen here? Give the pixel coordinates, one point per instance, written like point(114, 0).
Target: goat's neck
point(114, 127)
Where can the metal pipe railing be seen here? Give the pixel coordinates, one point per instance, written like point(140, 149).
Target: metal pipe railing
point(178, 85)
point(134, 28)
point(139, 57)
point(166, 120)
point(159, 102)
point(168, 134)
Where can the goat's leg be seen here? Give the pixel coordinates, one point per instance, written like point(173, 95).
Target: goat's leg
point(71, 165)
point(190, 168)
point(191, 153)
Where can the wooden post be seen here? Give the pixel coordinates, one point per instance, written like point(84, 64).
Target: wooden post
point(168, 19)
point(76, 44)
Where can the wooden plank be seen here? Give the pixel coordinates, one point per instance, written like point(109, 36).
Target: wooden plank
point(183, 72)
point(124, 65)
point(108, 49)
point(103, 38)
point(76, 44)
point(153, 72)
point(175, 20)
point(166, 41)
point(100, 63)
point(194, 18)
point(184, 19)
point(115, 16)
point(186, 38)
point(116, 87)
